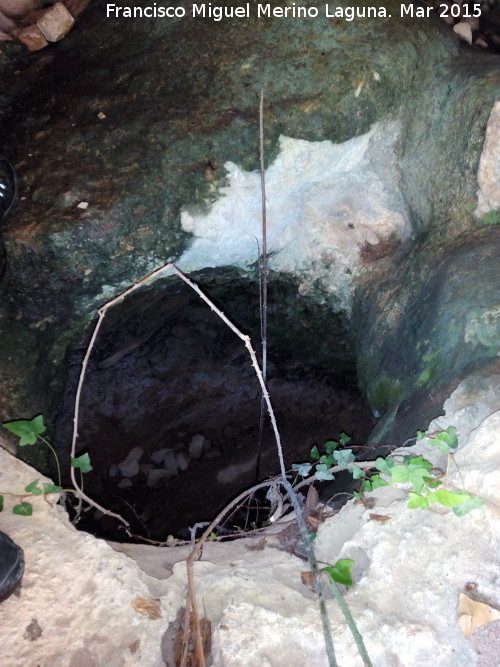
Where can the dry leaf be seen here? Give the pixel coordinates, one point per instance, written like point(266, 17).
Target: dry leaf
point(181, 632)
point(472, 614)
point(379, 517)
point(308, 580)
point(147, 607)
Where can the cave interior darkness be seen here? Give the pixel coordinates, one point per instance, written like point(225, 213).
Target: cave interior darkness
point(167, 376)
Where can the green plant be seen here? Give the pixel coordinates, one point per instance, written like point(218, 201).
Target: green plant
point(415, 471)
point(422, 476)
point(329, 458)
point(29, 432)
point(491, 218)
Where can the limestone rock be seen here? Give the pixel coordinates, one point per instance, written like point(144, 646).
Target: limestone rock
point(196, 446)
point(129, 468)
point(32, 37)
point(158, 455)
point(182, 462)
point(170, 462)
point(488, 176)
point(101, 626)
point(55, 23)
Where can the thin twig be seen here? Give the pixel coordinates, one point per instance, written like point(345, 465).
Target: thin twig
point(195, 554)
point(264, 235)
point(102, 313)
point(295, 501)
point(262, 283)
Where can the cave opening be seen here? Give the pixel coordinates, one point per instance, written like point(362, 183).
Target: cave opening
point(170, 404)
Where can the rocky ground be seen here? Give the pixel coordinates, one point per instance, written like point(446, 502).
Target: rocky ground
point(423, 579)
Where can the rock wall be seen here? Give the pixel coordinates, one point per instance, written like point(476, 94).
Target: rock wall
point(130, 138)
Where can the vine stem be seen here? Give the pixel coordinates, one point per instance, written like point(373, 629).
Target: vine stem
point(55, 457)
point(350, 622)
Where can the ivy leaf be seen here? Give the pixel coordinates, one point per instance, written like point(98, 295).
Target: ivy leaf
point(330, 445)
point(327, 460)
point(415, 500)
point(322, 472)
point(357, 495)
point(420, 435)
point(473, 503)
point(419, 478)
point(344, 457)
point(314, 453)
point(400, 474)
point(357, 472)
point(384, 465)
point(82, 462)
point(341, 571)
point(344, 439)
point(420, 462)
point(1, 503)
point(449, 437)
point(448, 498)
point(303, 469)
point(377, 481)
point(34, 488)
point(446, 440)
point(26, 429)
point(366, 486)
point(24, 509)
point(51, 488)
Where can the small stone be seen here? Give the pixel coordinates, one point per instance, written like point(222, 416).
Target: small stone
point(135, 454)
point(32, 38)
point(113, 470)
point(158, 456)
point(182, 462)
point(83, 205)
point(55, 23)
point(101, 115)
point(129, 468)
point(124, 484)
point(146, 468)
point(196, 446)
point(464, 31)
point(170, 462)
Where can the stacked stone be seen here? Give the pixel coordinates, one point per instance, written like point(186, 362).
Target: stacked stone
point(35, 24)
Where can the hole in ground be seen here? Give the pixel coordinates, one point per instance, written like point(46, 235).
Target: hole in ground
point(170, 405)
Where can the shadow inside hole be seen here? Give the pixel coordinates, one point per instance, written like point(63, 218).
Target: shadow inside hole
point(170, 405)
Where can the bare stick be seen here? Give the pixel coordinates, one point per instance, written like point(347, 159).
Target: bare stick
point(264, 235)
point(253, 357)
point(262, 282)
point(102, 313)
point(196, 554)
point(300, 519)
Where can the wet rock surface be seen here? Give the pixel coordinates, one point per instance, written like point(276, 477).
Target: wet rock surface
point(153, 110)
